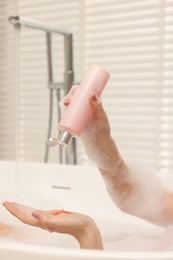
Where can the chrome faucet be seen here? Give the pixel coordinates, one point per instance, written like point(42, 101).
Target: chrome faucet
point(18, 21)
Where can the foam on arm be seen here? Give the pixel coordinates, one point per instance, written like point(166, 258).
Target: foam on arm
point(137, 190)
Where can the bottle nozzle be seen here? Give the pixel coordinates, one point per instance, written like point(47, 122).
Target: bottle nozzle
point(51, 142)
point(64, 138)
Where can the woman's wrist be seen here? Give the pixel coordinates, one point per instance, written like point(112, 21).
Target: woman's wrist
point(110, 159)
point(89, 237)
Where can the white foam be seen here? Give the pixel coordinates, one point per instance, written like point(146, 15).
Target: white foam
point(147, 197)
point(140, 243)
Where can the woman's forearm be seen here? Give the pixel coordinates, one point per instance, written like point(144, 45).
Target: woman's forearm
point(134, 188)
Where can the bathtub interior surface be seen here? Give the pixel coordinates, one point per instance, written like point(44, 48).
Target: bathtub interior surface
point(72, 188)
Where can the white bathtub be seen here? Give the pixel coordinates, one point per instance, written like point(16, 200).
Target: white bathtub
point(73, 188)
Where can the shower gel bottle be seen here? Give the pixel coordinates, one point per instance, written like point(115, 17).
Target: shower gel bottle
point(79, 111)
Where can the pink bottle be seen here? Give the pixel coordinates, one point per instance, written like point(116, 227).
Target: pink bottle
point(79, 111)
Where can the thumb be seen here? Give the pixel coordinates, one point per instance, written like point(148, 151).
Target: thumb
point(44, 219)
point(96, 105)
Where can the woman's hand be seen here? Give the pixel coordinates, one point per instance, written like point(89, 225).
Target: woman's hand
point(99, 124)
point(96, 138)
point(80, 226)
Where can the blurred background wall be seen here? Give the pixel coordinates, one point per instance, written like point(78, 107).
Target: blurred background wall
point(132, 39)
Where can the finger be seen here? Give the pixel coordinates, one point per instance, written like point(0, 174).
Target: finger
point(67, 101)
point(46, 220)
point(10, 206)
point(69, 96)
point(54, 223)
point(96, 104)
point(22, 212)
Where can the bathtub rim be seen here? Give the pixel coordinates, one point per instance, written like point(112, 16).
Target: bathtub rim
point(84, 253)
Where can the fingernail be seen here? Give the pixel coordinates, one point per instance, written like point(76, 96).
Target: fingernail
point(94, 98)
point(66, 101)
point(36, 215)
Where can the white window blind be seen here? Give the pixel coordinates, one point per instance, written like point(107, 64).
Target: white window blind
point(134, 41)
point(166, 153)
point(33, 108)
point(7, 84)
